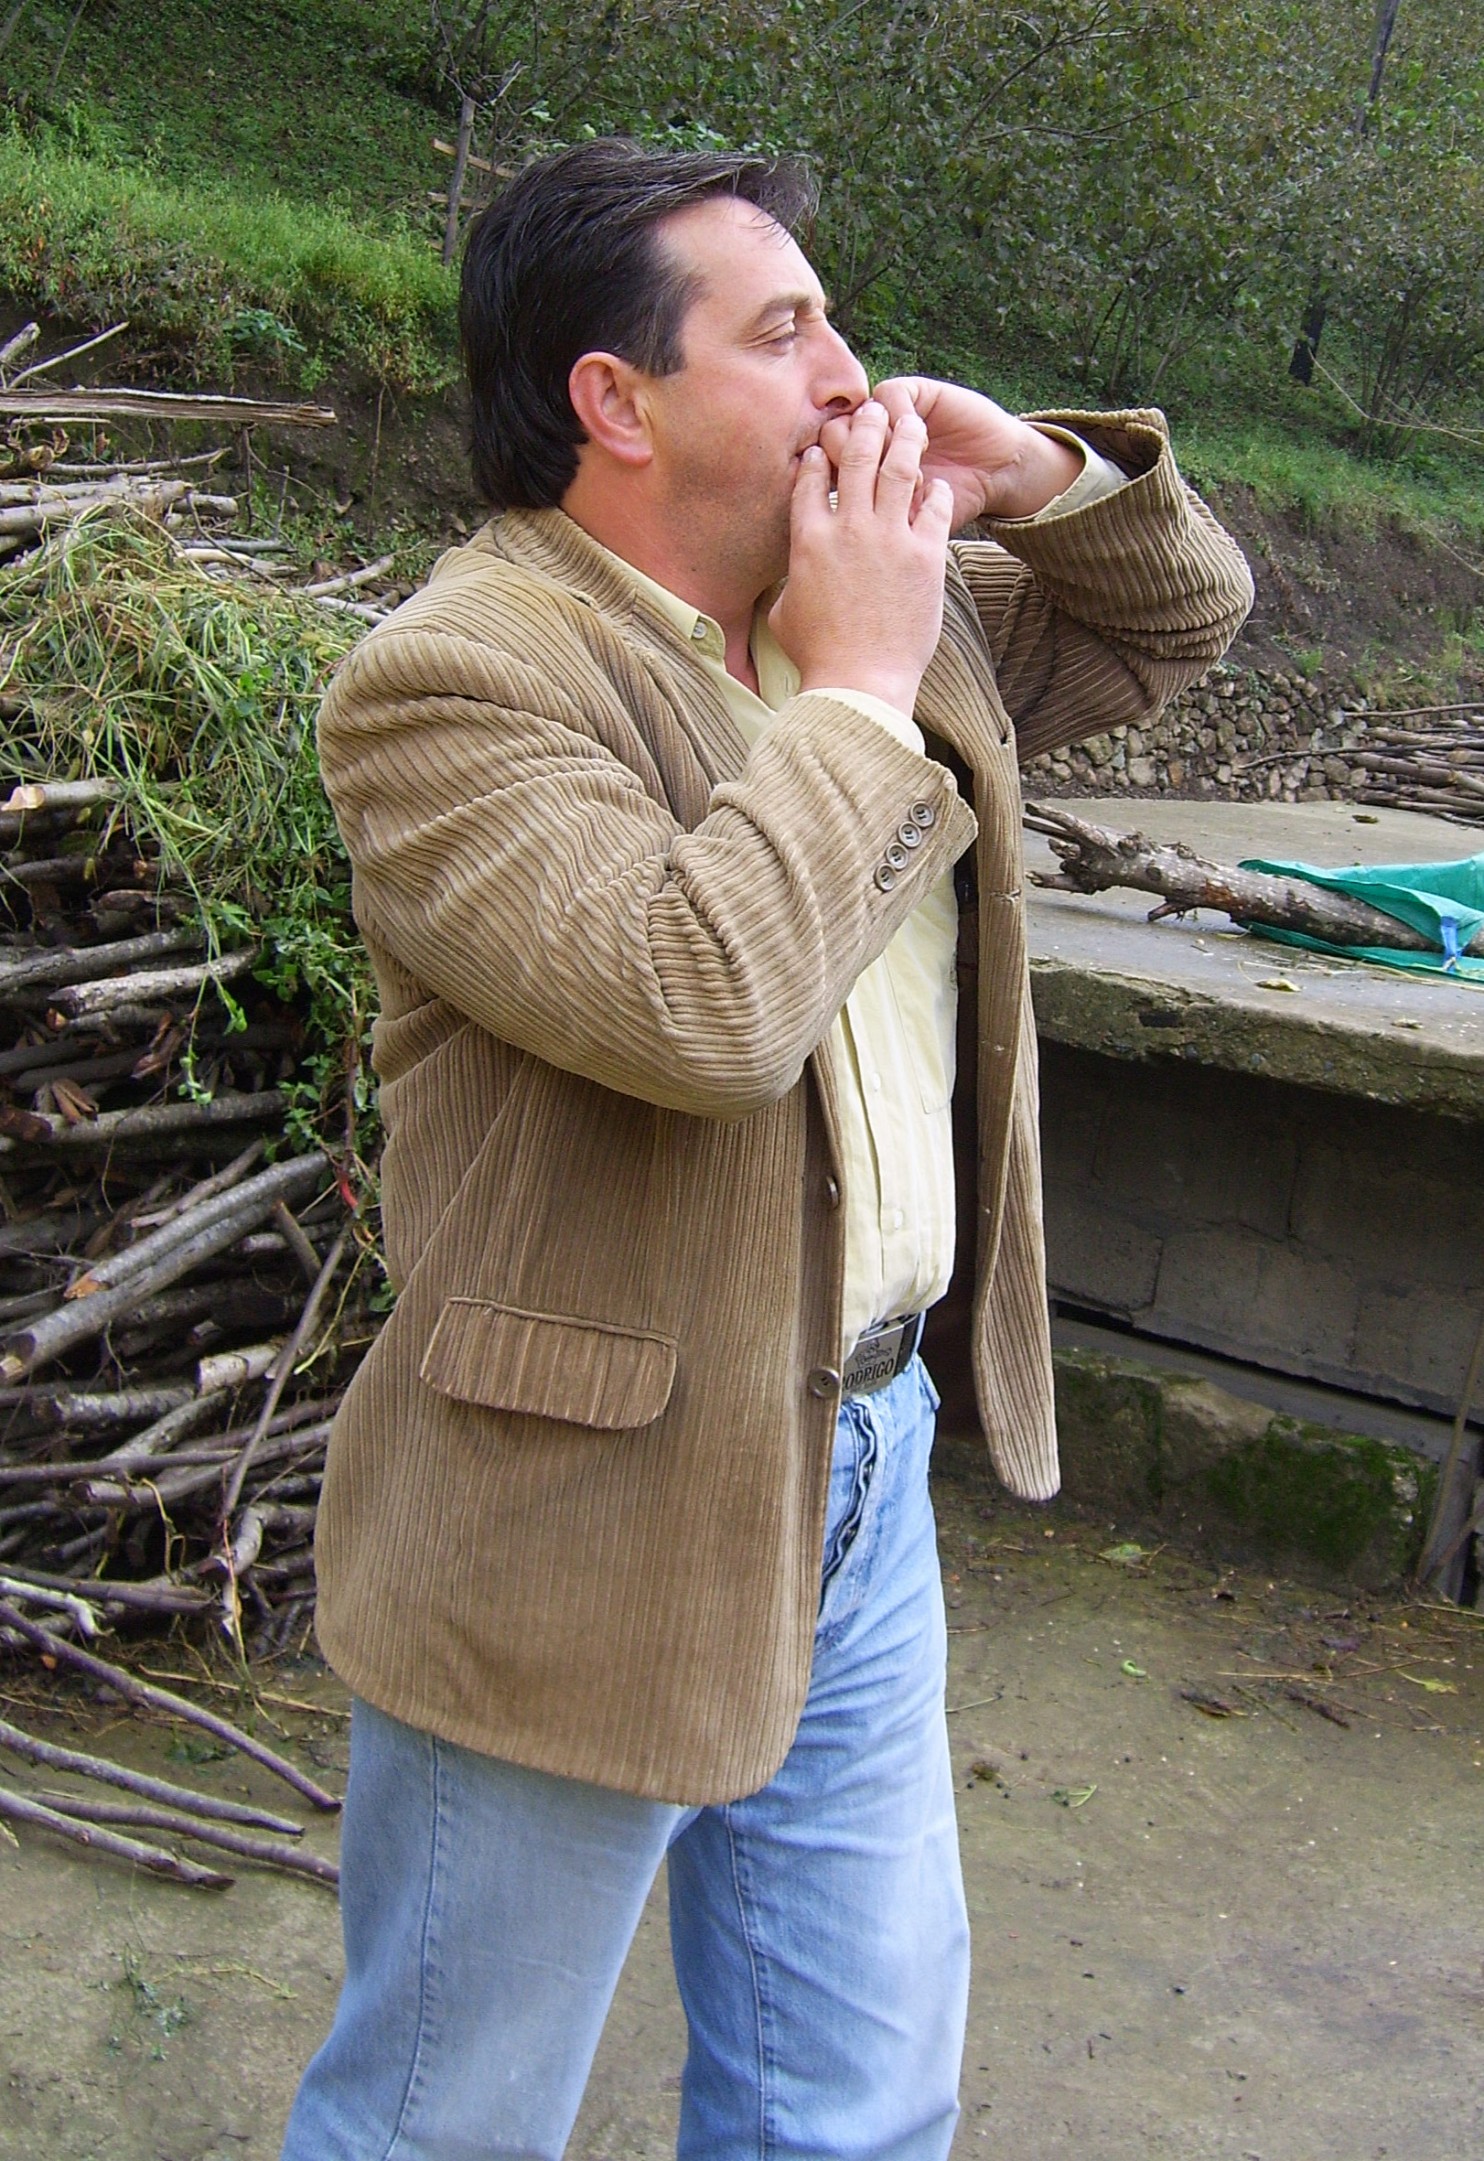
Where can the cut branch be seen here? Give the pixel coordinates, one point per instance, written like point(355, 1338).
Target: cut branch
point(46, 1756)
point(63, 405)
point(144, 1817)
point(1093, 858)
point(145, 1694)
point(21, 1809)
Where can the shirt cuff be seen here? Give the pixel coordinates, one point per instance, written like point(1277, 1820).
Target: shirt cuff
point(1098, 477)
point(890, 717)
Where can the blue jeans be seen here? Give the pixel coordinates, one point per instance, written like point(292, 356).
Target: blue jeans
point(818, 1926)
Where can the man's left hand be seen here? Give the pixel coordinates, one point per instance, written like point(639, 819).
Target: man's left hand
point(996, 465)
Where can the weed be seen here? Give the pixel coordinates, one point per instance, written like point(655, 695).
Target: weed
point(191, 1748)
point(166, 2014)
point(197, 698)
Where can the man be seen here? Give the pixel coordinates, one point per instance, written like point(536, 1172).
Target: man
point(625, 1550)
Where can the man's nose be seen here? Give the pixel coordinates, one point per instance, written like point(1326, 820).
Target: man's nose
point(844, 383)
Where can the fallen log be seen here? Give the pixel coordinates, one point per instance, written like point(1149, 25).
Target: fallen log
point(1093, 858)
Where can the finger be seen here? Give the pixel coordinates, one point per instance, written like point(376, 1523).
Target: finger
point(811, 496)
point(834, 435)
point(860, 458)
point(901, 468)
point(933, 521)
point(898, 394)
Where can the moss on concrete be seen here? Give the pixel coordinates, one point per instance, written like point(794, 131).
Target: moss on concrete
point(1349, 1503)
point(1140, 1441)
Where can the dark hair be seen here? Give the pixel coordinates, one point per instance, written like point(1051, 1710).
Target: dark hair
point(568, 261)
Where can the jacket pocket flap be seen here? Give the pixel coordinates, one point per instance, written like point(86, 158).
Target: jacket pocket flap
point(549, 1365)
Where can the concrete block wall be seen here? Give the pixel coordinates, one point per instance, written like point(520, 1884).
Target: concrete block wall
point(1326, 1237)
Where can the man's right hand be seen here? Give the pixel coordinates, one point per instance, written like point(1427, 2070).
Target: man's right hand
point(863, 606)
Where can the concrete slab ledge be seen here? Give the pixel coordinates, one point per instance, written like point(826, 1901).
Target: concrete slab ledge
point(1136, 1017)
point(1233, 1478)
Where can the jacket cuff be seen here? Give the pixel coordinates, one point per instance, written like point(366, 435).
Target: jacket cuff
point(890, 717)
point(1147, 522)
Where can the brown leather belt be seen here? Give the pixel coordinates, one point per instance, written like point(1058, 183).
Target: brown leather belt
point(880, 1355)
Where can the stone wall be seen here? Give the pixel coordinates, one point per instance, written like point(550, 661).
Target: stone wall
point(1236, 734)
point(1321, 1236)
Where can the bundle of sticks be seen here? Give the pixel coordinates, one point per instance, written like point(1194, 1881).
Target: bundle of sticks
point(177, 1311)
point(44, 488)
point(1432, 761)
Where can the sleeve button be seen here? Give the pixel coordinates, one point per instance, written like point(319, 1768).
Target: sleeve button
point(923, 814)
point(886, 877)
point(909, 835)
point(897, 856)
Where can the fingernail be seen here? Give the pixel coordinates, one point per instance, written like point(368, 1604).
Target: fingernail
point(872, 408)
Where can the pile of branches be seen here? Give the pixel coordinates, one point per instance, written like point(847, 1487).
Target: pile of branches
point(154, 1805)
point(187, 1251)
point(1428, 760)
point(45, 487)
point(172, 1303)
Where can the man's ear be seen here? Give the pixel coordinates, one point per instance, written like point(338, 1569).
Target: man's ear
point(608, 398)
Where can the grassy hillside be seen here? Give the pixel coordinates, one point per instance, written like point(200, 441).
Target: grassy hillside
point(244, 184)
point(327, 102)
point(250, 186)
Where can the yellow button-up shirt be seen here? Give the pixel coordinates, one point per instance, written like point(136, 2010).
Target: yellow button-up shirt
point(892, 1043)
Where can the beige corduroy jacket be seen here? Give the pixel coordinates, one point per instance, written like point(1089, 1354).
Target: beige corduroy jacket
point(575, 1496)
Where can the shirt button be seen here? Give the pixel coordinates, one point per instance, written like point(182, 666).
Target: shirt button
point(886, 877)
point(895, 1219)
point(824, 1381)
point(699, 632)
point(831, 1192)
point(923, 814)
point(896, 855)
point(873, 1081)
point(909, 835)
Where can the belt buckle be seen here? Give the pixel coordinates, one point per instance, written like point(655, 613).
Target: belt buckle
point(880, 1354)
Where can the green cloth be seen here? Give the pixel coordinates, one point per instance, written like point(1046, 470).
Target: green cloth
point(1445, 901)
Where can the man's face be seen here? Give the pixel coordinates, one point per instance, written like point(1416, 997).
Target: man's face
point(763, 371)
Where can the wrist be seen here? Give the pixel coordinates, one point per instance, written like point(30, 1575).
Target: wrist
point(892, 686)
point(1043, 467)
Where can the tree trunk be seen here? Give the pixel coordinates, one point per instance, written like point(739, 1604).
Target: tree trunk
point(456, 184)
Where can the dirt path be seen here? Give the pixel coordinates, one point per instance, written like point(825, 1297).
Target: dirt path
point(1251, 1936)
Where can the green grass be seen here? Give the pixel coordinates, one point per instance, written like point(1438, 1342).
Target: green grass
point(1308, 473)
point(324, 100)
point(206, 275)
